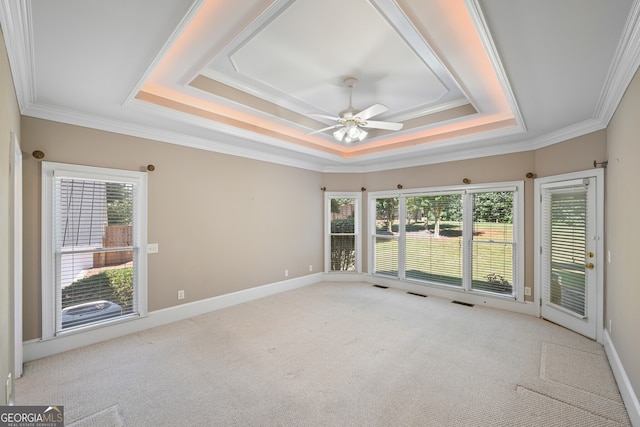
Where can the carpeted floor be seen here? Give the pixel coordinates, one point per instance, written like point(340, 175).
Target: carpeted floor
point(335, 354)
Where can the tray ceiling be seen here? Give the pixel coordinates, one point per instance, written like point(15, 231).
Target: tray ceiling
point(466, 78)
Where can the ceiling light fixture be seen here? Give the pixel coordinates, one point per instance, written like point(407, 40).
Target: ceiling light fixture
point(350, 132)
point(351, 122)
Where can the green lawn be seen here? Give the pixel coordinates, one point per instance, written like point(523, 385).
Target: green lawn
point(439, 259)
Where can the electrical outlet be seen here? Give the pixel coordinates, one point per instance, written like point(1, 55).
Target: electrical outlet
point(180, 294)
point(286, 273)
point(152, 248)
point(527, 291)
point(310, 267)
point(610, 326)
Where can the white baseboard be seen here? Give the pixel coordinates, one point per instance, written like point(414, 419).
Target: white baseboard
point(629, 396)
point(506, 304)
point(37, 348)
point(345, 277)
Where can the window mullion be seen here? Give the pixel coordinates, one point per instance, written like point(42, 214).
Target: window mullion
point(467, 240)
point(402, 238)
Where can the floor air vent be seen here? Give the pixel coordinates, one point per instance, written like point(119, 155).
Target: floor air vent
point(466, 304)
point(380, 286)
point(418, 295)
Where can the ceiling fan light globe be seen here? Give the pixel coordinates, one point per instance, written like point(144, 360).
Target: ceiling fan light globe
point(353, 131)
point(339, 134)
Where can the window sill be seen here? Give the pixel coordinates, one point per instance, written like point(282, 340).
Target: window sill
point(93, 326)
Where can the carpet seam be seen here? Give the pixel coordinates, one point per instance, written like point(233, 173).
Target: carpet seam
point(540, 393)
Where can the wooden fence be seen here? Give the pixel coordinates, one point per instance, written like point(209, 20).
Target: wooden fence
point(115, 236)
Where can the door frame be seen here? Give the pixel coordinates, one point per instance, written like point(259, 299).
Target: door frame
point(16, 219)
point(598, 174)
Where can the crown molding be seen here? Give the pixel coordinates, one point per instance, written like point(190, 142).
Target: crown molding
point(230, 146)
point(442, 152)
point(182, 25)
point(453, 150)
point(435, 155)
point(624, 66)
point(15, 20)
point(567, 133)
point(224, 131)
point(479, 21)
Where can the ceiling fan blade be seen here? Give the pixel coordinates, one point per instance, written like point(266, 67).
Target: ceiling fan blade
point(324, 116)
point(374, 110)
point(324, 129)
point(372, 124)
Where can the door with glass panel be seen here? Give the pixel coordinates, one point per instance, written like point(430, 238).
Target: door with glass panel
point(570, 250)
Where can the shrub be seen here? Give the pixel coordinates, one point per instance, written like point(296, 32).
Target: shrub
point(112, 285)
point(342, 247)
point(342, 225)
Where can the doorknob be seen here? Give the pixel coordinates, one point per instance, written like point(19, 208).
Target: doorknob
point(589, 265)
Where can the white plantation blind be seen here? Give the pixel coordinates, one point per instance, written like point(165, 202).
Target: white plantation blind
point(462, 237)
point(493, 242)
point(434, 246)
point(93, 272)
point(386, 236)
point(564, 247)
point(82, 212)
point(96, 253)
point(342, 216)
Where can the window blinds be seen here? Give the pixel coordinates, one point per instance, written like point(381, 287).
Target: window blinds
point(564, 244)
point(493, 245)
point(464, 238)
point(95, 253)
point(386, 236)
point(434, 245)
point(343, 234)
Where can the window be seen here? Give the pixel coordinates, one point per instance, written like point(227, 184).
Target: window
point(94, 229)
point(434, 238)
point(343, 237)
point(387, 236)
point(493, 245)
point(464, 238)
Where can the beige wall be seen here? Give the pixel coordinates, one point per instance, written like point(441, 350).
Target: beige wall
point(222, 223)
point(622, 231)
point(569, 156)
point(9, 123)
point(573, 155)
point(247, 221)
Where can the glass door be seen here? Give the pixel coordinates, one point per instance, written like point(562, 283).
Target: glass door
point(568, 253)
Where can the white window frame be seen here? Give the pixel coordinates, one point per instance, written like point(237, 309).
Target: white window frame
point(50, 172)
point(518, 235)
point(357, 229)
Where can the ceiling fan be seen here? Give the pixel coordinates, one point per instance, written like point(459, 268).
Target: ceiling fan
point(352, 124)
